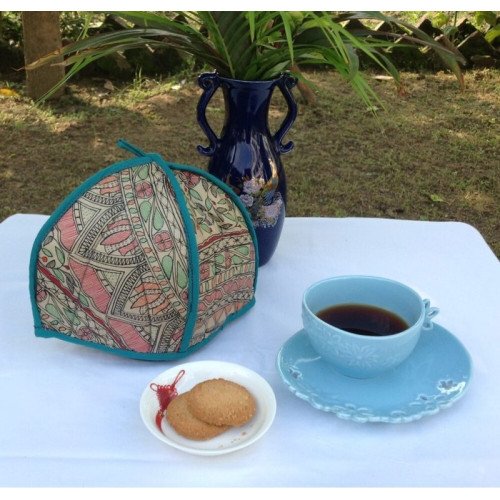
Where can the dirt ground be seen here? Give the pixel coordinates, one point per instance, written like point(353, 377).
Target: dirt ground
point(431, 154)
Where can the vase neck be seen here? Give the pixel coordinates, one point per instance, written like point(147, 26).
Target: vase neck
point(247, 103)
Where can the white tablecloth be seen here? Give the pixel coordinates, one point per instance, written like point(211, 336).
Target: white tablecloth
point(70, 415)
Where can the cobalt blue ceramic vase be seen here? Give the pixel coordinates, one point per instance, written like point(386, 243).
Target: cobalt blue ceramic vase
point(247, 156)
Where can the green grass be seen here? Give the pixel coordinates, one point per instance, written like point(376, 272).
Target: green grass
point(432, 154)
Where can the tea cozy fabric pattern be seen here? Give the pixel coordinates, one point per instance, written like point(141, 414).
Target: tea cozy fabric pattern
point(146, 259)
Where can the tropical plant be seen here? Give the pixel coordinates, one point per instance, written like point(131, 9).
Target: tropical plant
point(259, 45)
point(482, 20)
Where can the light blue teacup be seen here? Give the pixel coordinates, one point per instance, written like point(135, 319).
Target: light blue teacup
point(363, 356)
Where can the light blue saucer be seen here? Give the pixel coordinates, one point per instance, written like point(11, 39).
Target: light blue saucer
point(434, 377)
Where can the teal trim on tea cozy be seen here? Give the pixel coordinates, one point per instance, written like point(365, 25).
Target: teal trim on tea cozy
point(131, 148)
point(194, 262)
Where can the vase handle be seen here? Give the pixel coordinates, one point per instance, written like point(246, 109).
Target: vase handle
point(209, 82)
point(286, 83)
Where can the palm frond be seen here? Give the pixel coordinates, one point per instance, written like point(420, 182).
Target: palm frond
point(451, 58)
point(287, 26)
point(257, 45)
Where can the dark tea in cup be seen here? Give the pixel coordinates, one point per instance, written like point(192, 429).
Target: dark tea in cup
point(363, 319)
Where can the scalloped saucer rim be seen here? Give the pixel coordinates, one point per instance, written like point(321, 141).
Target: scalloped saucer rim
point(434, 377)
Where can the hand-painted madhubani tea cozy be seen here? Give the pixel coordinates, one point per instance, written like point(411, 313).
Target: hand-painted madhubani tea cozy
point(146, 259)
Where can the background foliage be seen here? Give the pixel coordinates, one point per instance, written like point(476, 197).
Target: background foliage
point(433, 154)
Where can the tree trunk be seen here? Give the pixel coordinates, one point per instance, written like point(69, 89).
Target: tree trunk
point(42, 34)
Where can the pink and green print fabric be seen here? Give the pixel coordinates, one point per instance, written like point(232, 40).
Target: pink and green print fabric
point(146, 259)
point(226, 255)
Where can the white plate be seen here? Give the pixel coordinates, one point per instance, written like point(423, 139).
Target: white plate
point(235, 438)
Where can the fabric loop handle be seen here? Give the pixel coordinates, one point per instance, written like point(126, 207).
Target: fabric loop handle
point(121, 143)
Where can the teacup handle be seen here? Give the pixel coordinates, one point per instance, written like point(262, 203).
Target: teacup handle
point(430, 312)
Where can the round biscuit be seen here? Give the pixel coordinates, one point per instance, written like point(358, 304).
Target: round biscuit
point(185, 424)
point(221, 402)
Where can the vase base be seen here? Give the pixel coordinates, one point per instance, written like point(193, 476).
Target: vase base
point(268, 238)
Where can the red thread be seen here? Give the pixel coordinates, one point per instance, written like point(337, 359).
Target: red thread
point(165, 394)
